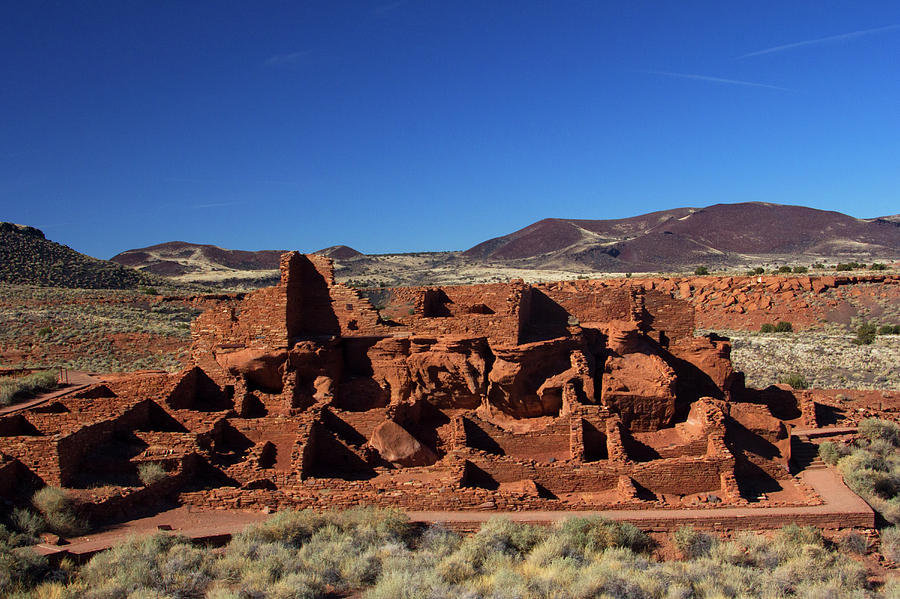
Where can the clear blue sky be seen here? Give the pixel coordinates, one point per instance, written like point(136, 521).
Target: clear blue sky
point(425, 125)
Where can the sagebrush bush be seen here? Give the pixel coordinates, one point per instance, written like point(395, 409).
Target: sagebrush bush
point(854, 542)
point(767, 327)
point(20, 567)
point(865, 334)
point(341, 549)
point(59, 511)
point(783, 327)
point(151, 472)
point(872, 470)
point(692, 543)
point(376, 555)
point(160, 563)
point(793, 534)
point(794, 380)
point(13, 389)
point(28, 522)
point(873, 429)
point(890, 543)
point(831, 452)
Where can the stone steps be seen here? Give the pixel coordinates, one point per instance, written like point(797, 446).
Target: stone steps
point(805, 454)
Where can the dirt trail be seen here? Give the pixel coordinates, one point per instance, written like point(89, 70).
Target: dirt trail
point(77, 381)
point(841, 509)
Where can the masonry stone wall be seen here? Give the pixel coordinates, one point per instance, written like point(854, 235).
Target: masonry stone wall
point(550, 443)
point(497, 389)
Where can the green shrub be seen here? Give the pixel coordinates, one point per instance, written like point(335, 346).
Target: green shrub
point(784, 269)
point(13, 389)
point(873, 469)
point(865, 334)
point(800, 269)
point(293, 528)
point(59, 511)
point(701, 270)
point(801, 535)
point(28, 522)
point(364, 555)
point(831, 452)
point(20, 567)
point(877, 266)
point(889, 329)
point(151, 472)
point(692, 543)
point(166, 564)
point(499, 536)
point(854, 542)
point(759, 270)
point(848, 266)
point(818, 266)
point(767, 328)
point(594, 533)
point(784, 327)
point(794, 380)
point(874, 429)
point(890, 543)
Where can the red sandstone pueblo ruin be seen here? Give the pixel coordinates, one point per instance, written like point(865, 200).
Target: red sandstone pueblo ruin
point(560, 396)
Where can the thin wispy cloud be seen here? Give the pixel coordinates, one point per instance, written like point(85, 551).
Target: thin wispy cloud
point(822, 40)
point(285, 59)
point(215, 205)
point(386, 8)
point(230, 181)
point(715, 80)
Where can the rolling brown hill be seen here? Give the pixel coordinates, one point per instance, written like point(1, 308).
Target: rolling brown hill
point(719, 236)
point(340, 252)
point(27, 257)
point(176, 258)
point(722, 234)
point(212, 264)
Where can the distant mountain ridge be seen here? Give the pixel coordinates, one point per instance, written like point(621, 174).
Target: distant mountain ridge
point(27, 257)
point(175, 258)
point(718, 236)
point(204, 262)
point(669, 239)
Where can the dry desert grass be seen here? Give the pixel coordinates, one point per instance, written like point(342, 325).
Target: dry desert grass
point(825, 359)
point(378, 554)
point(94, 330)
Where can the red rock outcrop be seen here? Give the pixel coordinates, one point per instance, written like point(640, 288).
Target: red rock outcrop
point(570, 394)
point(396, 445)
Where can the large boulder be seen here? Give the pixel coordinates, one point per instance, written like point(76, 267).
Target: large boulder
point(260, 367)
point(641, 389)
point(396, 445)
point(710, 356)
point(449, 372)
point(624, 337)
